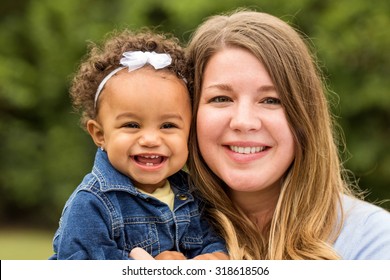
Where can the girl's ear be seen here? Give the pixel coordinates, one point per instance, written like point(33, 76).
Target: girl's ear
point(96, 132)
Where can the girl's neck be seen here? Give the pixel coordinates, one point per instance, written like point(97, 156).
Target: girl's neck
point(259, 206)
point(149, 188)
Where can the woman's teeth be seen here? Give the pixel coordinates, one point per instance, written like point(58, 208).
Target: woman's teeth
point(247, 150)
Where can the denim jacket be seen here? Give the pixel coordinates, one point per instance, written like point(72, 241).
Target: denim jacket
point(106, 217)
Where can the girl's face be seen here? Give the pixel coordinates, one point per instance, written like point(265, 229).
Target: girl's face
point(143, 124)
point(242, 129)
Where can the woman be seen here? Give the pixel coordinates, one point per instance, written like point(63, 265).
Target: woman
point(263, 151)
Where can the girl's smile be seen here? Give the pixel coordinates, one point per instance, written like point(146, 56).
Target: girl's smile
point(148, 161)
point(146, 143)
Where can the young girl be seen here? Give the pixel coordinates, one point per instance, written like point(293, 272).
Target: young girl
point(135, 104)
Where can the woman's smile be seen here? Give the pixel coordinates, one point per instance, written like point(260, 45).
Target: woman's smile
point(242, 130)
point(247, 150)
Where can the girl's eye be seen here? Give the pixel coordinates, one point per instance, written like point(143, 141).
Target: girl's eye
point(131, 125)
point(168, 125)
point(271, 101)
point(220, 99)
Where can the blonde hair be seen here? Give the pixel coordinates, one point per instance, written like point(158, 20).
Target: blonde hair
point(305, 222)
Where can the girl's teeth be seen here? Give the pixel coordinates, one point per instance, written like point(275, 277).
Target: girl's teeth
point(149, 160)
point(153, 156)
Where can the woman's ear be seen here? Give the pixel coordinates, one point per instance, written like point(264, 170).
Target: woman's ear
point(96, 132)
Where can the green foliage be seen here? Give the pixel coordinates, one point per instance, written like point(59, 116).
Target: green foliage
point(44, 152)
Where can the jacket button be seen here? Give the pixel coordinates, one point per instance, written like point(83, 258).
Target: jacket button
point(182, 196)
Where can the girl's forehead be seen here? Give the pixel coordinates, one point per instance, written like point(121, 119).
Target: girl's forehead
point(145, 81)
point(146, 72)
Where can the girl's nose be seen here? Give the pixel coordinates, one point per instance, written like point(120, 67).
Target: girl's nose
point(150, 139)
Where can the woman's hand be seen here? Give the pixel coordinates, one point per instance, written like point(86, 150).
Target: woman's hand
point(170, 255)
point(213, 256)
point(141, 254)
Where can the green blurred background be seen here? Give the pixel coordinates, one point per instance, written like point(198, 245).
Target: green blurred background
point(45, 154)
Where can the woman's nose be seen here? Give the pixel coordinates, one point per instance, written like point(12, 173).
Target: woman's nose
point(245, 118)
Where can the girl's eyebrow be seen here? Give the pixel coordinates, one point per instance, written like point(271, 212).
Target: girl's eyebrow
point(164, 116)
point(172, 116)
point(125, 115)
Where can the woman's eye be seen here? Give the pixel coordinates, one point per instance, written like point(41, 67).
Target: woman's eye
point(271, 101)
point(168, 125)
point(131, 125)
point(220, 99)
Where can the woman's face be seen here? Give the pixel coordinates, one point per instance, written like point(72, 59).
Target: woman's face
point(242, 129)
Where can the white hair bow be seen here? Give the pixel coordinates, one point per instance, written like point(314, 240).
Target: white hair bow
point(137, 59)
point(134, 60)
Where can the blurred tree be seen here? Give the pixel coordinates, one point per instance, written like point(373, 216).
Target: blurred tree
point(353, 41)
point(44, 152)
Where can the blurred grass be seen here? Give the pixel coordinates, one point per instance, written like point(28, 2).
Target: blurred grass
point(25, 244)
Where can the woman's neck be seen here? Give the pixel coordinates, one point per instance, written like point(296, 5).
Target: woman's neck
point(259, 206)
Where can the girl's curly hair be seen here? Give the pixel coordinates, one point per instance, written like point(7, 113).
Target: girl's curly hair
point(102, 59)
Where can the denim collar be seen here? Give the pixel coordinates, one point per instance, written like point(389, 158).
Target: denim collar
point(111, 179)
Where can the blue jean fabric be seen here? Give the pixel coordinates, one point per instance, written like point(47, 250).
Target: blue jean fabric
point(106, 217)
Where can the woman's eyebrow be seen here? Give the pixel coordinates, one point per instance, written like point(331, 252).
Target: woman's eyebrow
point(229, 88)
point(224, 87)
point(267, 88)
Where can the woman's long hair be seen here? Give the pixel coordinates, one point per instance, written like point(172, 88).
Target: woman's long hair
point(306, 220)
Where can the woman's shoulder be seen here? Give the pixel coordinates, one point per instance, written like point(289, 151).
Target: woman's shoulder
point(363, 210)
point(365, 233)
